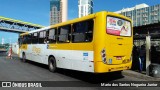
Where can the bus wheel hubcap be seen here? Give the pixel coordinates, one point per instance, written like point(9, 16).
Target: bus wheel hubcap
point(51, 65)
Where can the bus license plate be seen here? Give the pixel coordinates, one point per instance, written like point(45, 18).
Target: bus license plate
point(119, 58)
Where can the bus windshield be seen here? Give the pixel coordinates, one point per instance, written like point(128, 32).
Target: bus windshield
point(118, 27)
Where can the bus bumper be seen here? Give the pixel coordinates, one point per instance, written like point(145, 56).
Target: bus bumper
point(100, 67)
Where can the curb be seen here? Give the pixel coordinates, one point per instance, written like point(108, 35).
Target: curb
point(139, 75)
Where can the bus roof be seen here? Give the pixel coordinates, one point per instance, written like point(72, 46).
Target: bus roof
point(59, 24)
point(119, 15)
point(76, 20)
point(42, 29)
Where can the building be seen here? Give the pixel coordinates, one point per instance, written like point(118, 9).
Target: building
point(64, 5)
point(85, 7)
point(142, 14)
point(58, 11)
point(55, 12)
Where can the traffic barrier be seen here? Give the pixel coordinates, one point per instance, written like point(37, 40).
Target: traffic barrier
point(10, 52)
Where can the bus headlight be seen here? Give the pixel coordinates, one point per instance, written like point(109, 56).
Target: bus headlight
point(103, 54)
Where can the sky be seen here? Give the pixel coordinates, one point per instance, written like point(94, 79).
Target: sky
point(37, 11)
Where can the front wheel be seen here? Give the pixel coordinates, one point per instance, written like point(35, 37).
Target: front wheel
point(23, 57)
point(52, 64)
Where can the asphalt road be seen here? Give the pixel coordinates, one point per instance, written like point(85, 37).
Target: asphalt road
point(15, 70)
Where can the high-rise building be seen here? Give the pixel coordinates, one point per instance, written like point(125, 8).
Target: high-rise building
point(142, 14)
point(64, 5)
point(58, 11)
point(85, 7)
point(54, 11)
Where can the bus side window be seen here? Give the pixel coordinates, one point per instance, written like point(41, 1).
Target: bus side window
point(89, 32)
point(42, 37)
point(52, 36)
point(29, 39)
point(34, 38)
point(64, 34)
point(20, 40)
point(83, 31)
point(24, 40)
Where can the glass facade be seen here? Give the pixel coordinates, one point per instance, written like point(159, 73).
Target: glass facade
point(55, 11)
point(143, 16)
point(85, 7)
point(55, 3)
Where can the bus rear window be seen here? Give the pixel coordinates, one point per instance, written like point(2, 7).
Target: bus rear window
point(118, 27)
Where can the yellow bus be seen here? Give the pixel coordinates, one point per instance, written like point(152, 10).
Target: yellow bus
point(97, 43)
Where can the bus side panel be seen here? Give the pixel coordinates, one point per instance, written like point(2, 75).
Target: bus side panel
point(36, 52)
point(22, 49)
point(75, 60)
point(77, 56)
point(82, 60)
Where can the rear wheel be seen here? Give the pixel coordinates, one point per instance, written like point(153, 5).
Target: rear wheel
point(52, 64)
point(23, 57)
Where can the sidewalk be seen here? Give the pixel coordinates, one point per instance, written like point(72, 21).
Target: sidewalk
point(139, 75)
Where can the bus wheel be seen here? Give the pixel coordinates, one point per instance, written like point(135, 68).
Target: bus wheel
point(52, 64)
point(23, 57)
